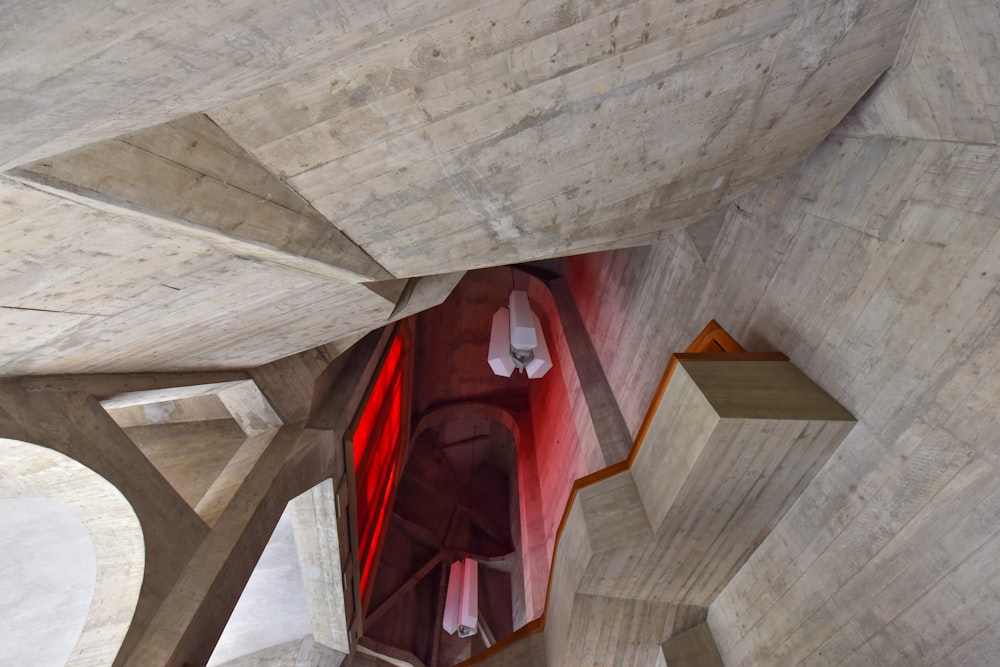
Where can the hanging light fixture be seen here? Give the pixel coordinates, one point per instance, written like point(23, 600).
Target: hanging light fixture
point(461, 607)
point(517, 341)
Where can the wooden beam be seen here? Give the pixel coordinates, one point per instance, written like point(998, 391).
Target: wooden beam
point(442, 597)
point(466, 503)
point(489, 639)
point(405, 588)
point(417, 533)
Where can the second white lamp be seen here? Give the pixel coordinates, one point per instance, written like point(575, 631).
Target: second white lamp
point(517, 341)
point(461, 606)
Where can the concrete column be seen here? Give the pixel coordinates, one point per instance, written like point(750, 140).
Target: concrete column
point(609, 424)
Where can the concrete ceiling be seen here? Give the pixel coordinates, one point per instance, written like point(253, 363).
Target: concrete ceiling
point(349, 119)
point(182, 182)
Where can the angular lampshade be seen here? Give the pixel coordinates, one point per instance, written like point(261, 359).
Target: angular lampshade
point(542, 361)
point(461, 607)
point(522, 328)
point(517, 340)
point(500, 360)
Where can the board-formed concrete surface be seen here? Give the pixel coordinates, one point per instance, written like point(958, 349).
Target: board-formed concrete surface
point(872, 263)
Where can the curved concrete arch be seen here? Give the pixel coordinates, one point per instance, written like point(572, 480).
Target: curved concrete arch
point(438, 416)
point(33, 471)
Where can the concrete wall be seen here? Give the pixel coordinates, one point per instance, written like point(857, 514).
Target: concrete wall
point(874, 266)
point(566, 446)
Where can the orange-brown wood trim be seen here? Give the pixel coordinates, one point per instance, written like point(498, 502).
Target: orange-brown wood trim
point(705, 347)
point(730, 356)
point(661, 389)
point(523, 632)
point(538, 624)
point(713, 338)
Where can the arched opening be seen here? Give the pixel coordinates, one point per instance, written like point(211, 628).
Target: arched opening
point(76, 559)
point(292, 608)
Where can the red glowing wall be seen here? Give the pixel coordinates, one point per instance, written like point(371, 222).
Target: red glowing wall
point(378, 443)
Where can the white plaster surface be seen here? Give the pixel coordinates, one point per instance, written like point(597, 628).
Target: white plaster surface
point(33, 477)
point(272, 609)
point(48, 570)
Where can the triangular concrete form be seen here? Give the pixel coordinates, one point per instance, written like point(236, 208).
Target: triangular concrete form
point(190, 455)
point(190, 175)
point(203, 439)
point(704, 233)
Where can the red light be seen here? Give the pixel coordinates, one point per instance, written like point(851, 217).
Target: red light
point(377, 456)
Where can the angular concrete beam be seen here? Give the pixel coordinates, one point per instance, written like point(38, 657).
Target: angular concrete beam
point(189, 175)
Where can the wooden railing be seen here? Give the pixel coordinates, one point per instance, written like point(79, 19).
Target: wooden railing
point(713, 343)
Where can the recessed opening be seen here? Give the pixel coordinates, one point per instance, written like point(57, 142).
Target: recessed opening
point(204, 439)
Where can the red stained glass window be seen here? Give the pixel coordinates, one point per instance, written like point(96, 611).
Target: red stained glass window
point(378, 449)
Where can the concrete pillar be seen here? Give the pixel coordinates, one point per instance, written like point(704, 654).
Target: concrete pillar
point(609, 424)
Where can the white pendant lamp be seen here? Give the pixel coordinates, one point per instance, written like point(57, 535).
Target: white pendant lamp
point(461, 606)
point(517, 341)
